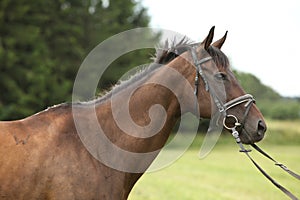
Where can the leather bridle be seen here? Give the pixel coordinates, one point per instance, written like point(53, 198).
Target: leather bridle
point(222, 107)
point(248, 100)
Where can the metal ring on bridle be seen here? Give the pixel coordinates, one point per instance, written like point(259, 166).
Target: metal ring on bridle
point(236, 123)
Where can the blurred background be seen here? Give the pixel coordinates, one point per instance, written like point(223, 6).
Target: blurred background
point(43, 43)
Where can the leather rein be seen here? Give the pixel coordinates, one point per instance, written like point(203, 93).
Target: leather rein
point(235, 134)
point(248, 100)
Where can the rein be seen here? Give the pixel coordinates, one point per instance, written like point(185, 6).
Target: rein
point(235, 134)
point(248, 100)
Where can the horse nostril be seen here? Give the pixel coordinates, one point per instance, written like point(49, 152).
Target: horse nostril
point(261, 127)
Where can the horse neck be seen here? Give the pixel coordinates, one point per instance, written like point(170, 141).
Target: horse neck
point(136, 122)
point(147, 110)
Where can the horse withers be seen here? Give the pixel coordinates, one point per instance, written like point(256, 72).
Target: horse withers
point(43, 156)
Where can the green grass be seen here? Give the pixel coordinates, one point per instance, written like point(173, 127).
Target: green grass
point(226, 174)
point(283, 132)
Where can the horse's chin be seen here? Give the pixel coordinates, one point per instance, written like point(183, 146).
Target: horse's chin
point(250, 138)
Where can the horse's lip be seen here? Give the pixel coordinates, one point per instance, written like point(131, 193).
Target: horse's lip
point(245, 134)
point(247, 138)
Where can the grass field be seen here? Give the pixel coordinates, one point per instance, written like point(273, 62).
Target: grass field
point(226, 174)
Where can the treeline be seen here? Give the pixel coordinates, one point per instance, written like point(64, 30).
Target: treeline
point(43, 43)
point(271, 104)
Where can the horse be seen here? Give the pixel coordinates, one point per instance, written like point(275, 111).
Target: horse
point(43, 156)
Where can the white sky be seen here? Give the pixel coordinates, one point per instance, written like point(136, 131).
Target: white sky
point(263, 37)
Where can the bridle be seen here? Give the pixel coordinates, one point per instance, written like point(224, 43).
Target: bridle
point(246, 99)
point(222, 107)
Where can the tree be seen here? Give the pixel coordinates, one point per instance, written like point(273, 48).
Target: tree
point(254, 86)
point(42, 44)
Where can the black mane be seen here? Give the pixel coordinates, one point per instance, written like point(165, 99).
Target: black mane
point(167, 54)
point(163, 56)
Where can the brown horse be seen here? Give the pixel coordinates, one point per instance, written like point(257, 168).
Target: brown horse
point(44, 157)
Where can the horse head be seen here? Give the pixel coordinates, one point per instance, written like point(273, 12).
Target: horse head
point(216, 86)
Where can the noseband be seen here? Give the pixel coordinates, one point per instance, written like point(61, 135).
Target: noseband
point(223, 108)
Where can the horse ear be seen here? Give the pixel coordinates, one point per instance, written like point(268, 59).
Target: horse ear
point(220, 42)
point(208, 40)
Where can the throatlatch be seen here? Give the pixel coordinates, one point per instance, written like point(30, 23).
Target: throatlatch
point(232, 127)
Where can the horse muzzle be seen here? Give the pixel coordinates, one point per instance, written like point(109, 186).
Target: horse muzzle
point(253, 135)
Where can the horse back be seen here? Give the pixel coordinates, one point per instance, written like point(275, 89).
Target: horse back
point(42, 157)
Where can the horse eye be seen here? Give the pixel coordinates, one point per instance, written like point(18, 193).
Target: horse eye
point(221, 76)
